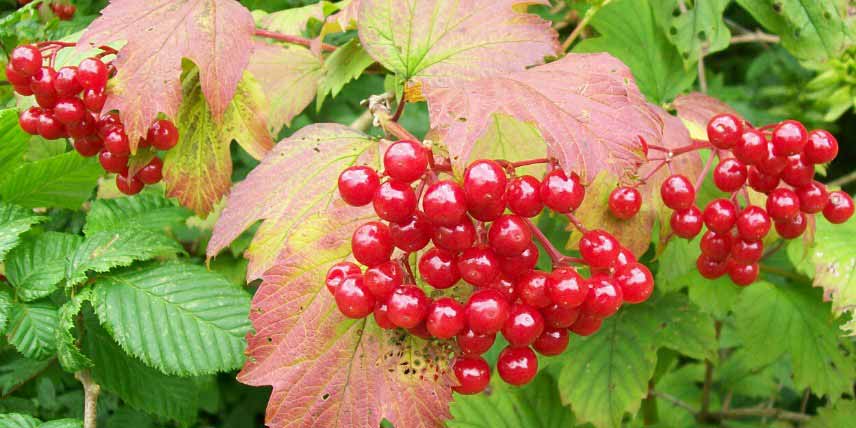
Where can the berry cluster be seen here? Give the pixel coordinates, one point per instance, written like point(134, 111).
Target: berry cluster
point(63, 11)
point(481, 234)
point(70, 101)
point(776, 160)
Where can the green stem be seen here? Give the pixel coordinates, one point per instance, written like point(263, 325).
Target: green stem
point(582, 25)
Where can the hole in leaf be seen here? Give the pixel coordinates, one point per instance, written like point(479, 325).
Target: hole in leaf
point(777, 7)
point(673, 31)
point(702, 36)
point(325, 396)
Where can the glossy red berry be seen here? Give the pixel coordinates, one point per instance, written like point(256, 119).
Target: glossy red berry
point(117, 142)
point(92, 73)
point(686, 223)
point(472, 343)
point(26, 59)
point(533, 288)
point(524, 324)
point(23, 89)
point(353, 298)
point(730, 175)
point(82, 128)
point(586, 325)
point(505, 285)
point(822, 147)
point(720, 215)
point(69, 110)
point(625, 202)
point(94, 99)
point(88, 146)
point(484, 184)
point(49, 127)
point(517, 366)
point(711, 268)
point(419, 331)
point(394, 201)
point(762, 182)
point(487, 212)
point(789, 137)
point(358, 184)
point(16, 78)
point(438, 268)
point(509, 235)
point(162, 135)
point(751, 148)
point(813, 197)
point(798, 171)
point(444, 203)
point(112, 162)
point(383, 279)
point(42, 83)
point(486, 311)
point(567, 288)
point(66, 83)
point(636, 283)
point(746, 251)
point(129, 185)
point(792, 228)
point(624, 258)
point(556, 316)
point(153, 171)
point(742, 274)
point(715, 245)
point(337, 274)
point(445, 318)
point(412, 235)
point(773, 164)
point(455, 238)
point(753, 223)
point(523, 196)
point(407, 306)
point(515, 266)
point(604, 297)
point(29, 120)
point(472, 373)
point(599, 248)
point(553, 341)
point(677, 192)
point(723, 130)
point(405, 160)
point(783, 204)
point(371, 243)
point(478, 266)
point(381, 316)
point(839, 208)
point(108, 123)
point(561, 193)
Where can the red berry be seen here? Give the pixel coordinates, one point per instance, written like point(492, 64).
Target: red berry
point(783, 204)
point(793, 227)
point(26, 59)
point(773, 164)
point(337, 273)
point(762, 182)
point(822, 147)
point(353, 298)
point(413, 235)
point(478, 266)
point(624, 202)
point(509, 235)
point(29, 120)
point(83, 128)
point(94, 99)
point(394, 201)
point(798, 171)
point(636, 283)
point(747, 251)
point(162, 135)
point(486, 311)
point(677, 192)
point(515, 266)
point(472, 343)
point(552, 341)
point(604, 297)
point(419, 331)
point(813, 197)
point(561, 193)
point(839, 208)
point(372, 243)
point(730, 175)
point(686, 223)
point(598, 248)
point(42, 82)
point(472, 373)
point(49, 127)
point(88, 146)
point(723, 130)
point(789, 137)
point(753, 223)
point(720, 215)
point(358, 184)
point(487, 212)
point(505, 286)
point(715, 245)
point(523, 326)
point(556, 316)
point(484, 184)
point(92, 73)
point(533, 288)
point(405, 160)
point(112, 162)
point(711, 268)
point(117, 142)
point(567, 288)
point(438, 268)
point(108, 123)
point(408, 306)
point(517, 366)
point(381, 316)
point(128, 185)
point(443, 203)
point(445, 318)
point(69, 110)
point(455, 238)
point(741, 274)
point(23, 90)
point(16, 78)
point(586, 325)
point(383, 279)
point(751, 148)
point(153, 172)
point(524, 197)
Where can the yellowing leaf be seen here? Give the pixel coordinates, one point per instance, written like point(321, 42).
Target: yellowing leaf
point(835, 266)
point(289, 77)
point(512, 140)
point(289, 21)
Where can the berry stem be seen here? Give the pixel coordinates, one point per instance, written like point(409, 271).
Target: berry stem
point(287, 38)
point(703, 174)
point(529, 162)
point(696, 145)
point(405, 261)
point(653, 171)
point(556, 256)
point(399, 109)
point(577, 223)
point(394, 128)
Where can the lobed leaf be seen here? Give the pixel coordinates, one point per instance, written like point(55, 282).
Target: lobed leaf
point(149, 211)
point(37, 267)
point(840, 414)
point(701, 25)
point(686, 329)
point(14, 221)
point(511, 139)
point(345, 64)
point(32, 329)
point(16, 370)
point(70, 357)
point(5, 308)
point(696, 109)
point(289, 21)
point(289, 76)
point(835, 266)
point(62, 181)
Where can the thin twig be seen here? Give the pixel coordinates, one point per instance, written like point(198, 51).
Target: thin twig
point(287, 38)
point(780, 272)
point(761, 412)
point(702, 78)
point(674, 400)
point(844, 179)
point(576, 222)
point(582, 25)
point(804, 402)
point(364, 122)
point(757, 36)
point(91, 391)
point(700, 179)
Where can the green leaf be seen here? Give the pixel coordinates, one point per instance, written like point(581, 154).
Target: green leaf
point(37, 267)
point(792, 321)
point(811, 30)
point(835, 265)
point(178, 318)
point(5, 308)
point(840, 414)
point(32, 329)
point(715, 297)
point(63, 181)
point(14, 221)
point(106, 250)
point(536, 405)
point(700, 25)
point(686, 329)
point(345, 64)
point(63, 423)
point(16, 370)
point(676, 261)
point(14, 140)
point(150, 211)
point(627, 29)
point(68, 354)
point(502, 140)
point(135, 383)
point(17, 420)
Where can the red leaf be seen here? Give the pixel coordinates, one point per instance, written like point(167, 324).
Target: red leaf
point(698, 108)
point(586, 106)
point(215, 34)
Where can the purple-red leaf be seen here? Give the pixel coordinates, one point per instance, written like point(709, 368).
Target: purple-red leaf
point(696, 109)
